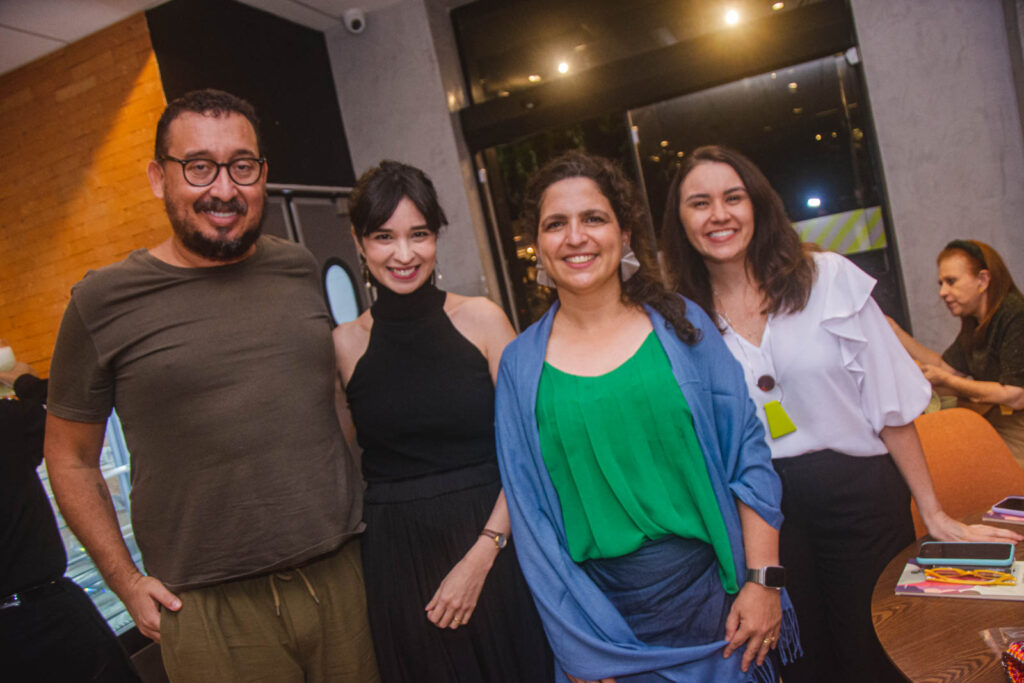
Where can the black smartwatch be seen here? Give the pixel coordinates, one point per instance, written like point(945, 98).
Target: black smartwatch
point(772, 576)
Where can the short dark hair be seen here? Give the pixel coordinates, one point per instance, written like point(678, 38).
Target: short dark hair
point(379, 190)
point(645, 287)
point(782, 266)
point(208, 101)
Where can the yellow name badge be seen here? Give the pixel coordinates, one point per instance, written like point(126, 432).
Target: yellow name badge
point(779, 423)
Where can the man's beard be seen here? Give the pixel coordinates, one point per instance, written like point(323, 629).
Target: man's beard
point(214, 249)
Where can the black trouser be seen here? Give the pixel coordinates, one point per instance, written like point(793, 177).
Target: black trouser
point(846, 517)
point(56, 634)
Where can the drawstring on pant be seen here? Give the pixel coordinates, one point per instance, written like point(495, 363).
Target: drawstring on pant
point(284, 576)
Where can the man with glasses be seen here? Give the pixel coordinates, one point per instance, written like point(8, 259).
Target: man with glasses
point(215, 349)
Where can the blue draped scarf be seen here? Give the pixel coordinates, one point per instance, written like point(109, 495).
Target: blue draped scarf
point(589, 637)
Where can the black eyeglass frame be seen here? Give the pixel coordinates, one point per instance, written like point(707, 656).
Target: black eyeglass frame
point(261, 161)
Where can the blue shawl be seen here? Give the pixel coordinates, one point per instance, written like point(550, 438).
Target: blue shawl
point(589, 637)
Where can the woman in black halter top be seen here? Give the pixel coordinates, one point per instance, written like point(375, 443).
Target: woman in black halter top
point(446, 601)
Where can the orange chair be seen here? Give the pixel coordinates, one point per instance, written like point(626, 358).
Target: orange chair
point(971, 466)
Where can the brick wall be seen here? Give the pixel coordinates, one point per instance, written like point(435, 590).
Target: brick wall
point(76, 132)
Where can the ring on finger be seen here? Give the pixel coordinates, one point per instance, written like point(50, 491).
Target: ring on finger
point(456, 621)
point(767, 641)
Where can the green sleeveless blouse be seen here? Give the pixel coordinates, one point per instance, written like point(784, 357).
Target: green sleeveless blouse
point(624, 459)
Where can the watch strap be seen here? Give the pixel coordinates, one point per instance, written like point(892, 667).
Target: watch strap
point(770, 576)
point(500, 539)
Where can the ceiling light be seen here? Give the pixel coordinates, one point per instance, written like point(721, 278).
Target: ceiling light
point(777, 6)
point(533, 78)
point(813, 202)
point(792, 85)
point(563, 67)
point(732, 17)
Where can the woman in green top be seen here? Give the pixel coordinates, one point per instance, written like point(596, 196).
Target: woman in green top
point(637, 476)
point(985, 363)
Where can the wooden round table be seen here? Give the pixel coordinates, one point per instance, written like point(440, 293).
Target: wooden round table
point(934, 639)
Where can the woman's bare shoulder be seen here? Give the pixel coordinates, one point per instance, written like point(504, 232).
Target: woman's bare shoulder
point(481, 321)
point(476, 309)
point(351, 338)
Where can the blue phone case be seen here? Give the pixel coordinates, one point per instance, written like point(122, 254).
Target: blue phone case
point(965, 561)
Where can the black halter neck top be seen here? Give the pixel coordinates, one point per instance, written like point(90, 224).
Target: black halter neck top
point(421, 396)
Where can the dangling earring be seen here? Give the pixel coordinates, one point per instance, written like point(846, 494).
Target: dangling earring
point(543, 278)
point(435, 275)
point(629, 264)
point(371, 291)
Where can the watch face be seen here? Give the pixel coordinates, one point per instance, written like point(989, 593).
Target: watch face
point(775, 577)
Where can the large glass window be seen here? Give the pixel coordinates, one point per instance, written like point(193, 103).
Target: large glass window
point(805, 128)
point(509, 166)
point(804, 125)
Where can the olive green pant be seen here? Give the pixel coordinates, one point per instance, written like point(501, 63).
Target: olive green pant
point(304, 624)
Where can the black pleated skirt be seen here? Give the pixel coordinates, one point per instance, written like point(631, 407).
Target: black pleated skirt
point(416, 531)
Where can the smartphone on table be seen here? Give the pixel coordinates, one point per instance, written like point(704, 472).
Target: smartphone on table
point(1011, 505)
point(945, 554)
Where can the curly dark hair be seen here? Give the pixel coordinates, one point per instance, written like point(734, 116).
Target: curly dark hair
point(645, 287)
point(782, 266)
point(379, 190)
point(209, 101)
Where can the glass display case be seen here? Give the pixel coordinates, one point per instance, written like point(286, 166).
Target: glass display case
point(114, 464)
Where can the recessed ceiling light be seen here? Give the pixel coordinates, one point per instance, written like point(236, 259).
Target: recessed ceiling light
point(563, 67)
point(533, 78)
point(732, 17)
point(777, 6)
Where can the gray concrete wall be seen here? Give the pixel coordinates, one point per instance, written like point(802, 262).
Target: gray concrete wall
point(941, 89)
point(399, 83)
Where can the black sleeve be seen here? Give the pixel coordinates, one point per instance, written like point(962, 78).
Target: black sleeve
point(954, 356)
point(31, 389)
point(22, 421)
point(1011, 353)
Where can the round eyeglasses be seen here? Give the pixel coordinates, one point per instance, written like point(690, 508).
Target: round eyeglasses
point(203, 172)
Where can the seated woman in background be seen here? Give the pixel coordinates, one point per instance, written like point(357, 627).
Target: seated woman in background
point(985, 363)
point(837, 395)
point(642, 498)
point(446, 602)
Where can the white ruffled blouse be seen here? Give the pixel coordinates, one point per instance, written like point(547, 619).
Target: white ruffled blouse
point(840, 372)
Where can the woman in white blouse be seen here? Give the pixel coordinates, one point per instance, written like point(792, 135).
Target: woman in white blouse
point(837, 394)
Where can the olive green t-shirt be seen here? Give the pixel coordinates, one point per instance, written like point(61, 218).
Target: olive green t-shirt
point(623, 456)
point(223, 378)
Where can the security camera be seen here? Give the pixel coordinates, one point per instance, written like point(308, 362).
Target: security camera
point(355, 20)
